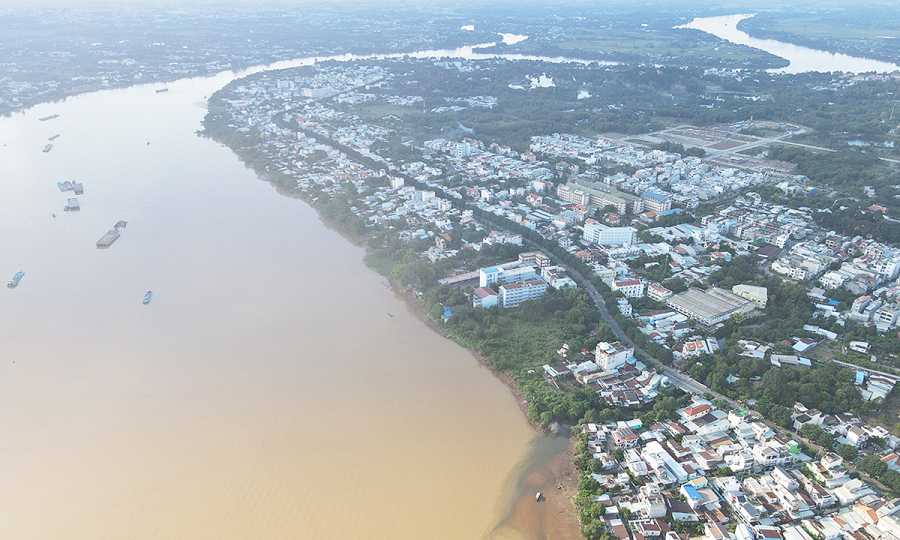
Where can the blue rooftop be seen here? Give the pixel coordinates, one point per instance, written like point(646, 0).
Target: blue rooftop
point(655, 196)
point(691, 492)
point(668, 212)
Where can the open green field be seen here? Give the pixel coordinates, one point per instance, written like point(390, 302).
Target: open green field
point(380, 110)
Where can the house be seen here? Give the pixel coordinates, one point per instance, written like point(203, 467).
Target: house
point(625, 438)
point(715, 531)
point(653, 504)
point(484, 297)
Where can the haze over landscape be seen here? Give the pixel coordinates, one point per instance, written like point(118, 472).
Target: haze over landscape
point(508, 271)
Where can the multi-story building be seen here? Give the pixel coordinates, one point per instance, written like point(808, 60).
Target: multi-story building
point(625, 438)
point(513, 294)
point(659, 293)
point(535, 258)
point(632, 288)
point(506, 274)
point(599, 195)
point(612, 355)
point(598, 233)
point(656, 202)
point(887, 315)
point(484, 297)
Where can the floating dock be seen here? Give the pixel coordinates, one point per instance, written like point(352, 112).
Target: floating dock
point(72, 205)
point(51, 117)
point(79, 189)
point(108, 239)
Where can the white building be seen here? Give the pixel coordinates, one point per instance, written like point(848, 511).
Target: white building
point(513, 294)
point(598, 233)
point(612, 355)
point(506, 274)
point(658, 292)
point(484, 297)
point(632, 288)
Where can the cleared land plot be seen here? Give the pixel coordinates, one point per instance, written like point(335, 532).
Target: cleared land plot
point(725, 145)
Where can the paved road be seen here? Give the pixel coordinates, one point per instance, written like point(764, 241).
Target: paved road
point(679, 379)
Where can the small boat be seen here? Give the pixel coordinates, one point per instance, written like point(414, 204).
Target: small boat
point(61, 186)
point(538, 496)
point(51, 117)
point(161, 90)
point(47, 148)
point(120, 225)
point(68, 185)
point(148, 296)
point(53, 138)
point(15, 280)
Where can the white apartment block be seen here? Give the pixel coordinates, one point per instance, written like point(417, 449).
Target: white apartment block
point(598, 233)
point(612, 355)
point(513, 294)
point(631, 288)
point(659, 293)
point(506, 274)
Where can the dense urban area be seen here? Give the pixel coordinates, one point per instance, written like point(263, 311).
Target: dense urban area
point(685, 258)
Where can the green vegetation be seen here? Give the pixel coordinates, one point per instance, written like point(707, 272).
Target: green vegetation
point(878, 470)
point(817, 435)
point(679, 148)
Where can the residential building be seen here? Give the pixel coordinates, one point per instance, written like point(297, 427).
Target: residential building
point(598, 233)
point(625, 438)
point(484, 297)
point(632, 288)
point(656, 202)
point(659, 293)
point(599, 195)
point(612, 355)
point(506, 274)
point(513, 294)
point(534, 258)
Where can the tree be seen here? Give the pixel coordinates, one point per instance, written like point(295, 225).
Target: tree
point(848, 452)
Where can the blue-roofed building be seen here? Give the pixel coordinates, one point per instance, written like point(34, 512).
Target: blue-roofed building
point(669, 212)
point(447, 313)
point(656, 202)
point(693, 497)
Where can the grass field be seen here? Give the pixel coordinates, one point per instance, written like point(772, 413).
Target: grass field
point(380, 110)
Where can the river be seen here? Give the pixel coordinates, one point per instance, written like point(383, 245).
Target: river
point(802, 59)
point(274, 387)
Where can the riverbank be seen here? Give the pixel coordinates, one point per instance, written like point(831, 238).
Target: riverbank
point(554, 516)
point(553, 475)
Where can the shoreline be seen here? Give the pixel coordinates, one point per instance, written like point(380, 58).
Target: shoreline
point(554, 516)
